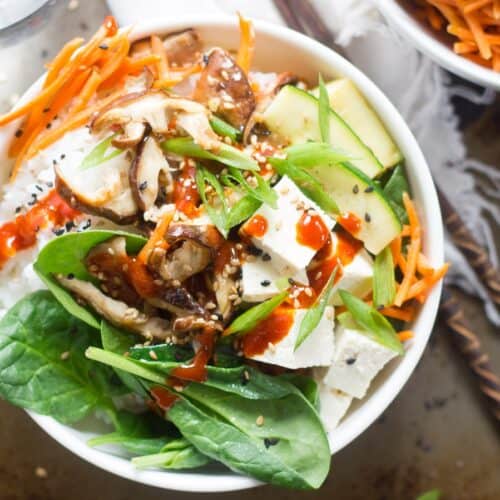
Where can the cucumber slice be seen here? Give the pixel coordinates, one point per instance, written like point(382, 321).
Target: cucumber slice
point(293, 115)
point(348, 102)
point(356, 193)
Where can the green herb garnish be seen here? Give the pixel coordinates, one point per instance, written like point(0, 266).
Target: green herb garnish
point(222, 128)
point(315, 154)
point(323, 111)
point(227, 155)
point(384, 282)
point(262, 192)
point(219, 215)
point(314, 314)
point(242, 210)
point(371, 322)
point(251, 317)
point(308, 184)
point(98, 154)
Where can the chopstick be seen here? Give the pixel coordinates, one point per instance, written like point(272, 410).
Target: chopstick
point(302, 16)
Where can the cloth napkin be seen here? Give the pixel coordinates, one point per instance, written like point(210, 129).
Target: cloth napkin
point(420, 89)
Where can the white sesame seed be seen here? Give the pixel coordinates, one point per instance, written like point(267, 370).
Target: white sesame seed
point(41, 472)
point(308, 291)
point(271, 347)
point(228, 105)
point(296, 303)
point(64, 355)
point(246, 375)
point(318, 275)
point(260, 420)
point(153, 355)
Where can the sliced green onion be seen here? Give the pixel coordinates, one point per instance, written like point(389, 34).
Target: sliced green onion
point(308, 184)
point(253, 316)
point(384, 282)
point(263, 192)
point(315, 154)
point(394, 189)
point(227, 155)
point(323, 111)
point(371, 322)
point(242, 210)
point(98, 154)
point(218, 216)
point(314, 314)
point(222, 128)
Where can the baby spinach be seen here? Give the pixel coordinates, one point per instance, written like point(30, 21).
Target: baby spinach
point(42, 362)
point(66, 254)
point(280, 441)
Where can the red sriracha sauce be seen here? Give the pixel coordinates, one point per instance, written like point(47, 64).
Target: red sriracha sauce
point(312, 231)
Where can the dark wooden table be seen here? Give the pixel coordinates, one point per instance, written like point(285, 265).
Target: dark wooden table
point(435, 435)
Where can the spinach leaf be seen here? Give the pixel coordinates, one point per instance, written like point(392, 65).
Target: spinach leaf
point(323, 111)
point(394, 189)
point(384, 281)
point(66, 255)
point(371, 322)
point(306, 385)
point(227, 155)
point(42, 362)
point(251, 317)
point(119, 342)
point(281, 441)
point(176, 454)
point(135, 445)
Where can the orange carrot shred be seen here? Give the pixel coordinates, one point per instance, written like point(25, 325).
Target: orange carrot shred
point(405, 335)
point(247, 44)
point(157, 238)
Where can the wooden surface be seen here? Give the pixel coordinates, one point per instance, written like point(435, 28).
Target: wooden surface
point(435, 435)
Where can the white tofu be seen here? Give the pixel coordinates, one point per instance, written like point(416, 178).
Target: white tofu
point(333, 405)
point(316, 350)
point(259, 280)
point(356, 361)
point(288, 256)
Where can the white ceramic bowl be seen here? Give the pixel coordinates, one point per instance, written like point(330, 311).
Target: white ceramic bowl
point(426, 41)
point(280, 49)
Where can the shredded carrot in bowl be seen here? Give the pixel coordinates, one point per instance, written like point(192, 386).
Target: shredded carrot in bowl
point(474, 23)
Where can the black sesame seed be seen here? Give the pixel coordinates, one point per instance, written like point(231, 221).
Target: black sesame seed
point(37, 228)
point(103, 46)
point(87, 224)
point(18, 209)
point(355, 189)
point(367, 217)
point(50, 184)
point(268, 442)
point(18, 133)
point(70, 276)
point(252, 250)
point(205, 59)
point(266, 257)
point(369, 189)
point(265, 282)
point(58, 232)
point(69, 225)
point(46, 110)
point(84, 26)
point(63, 156)
point(291, 281)
point(54, 162)
point(48, 125)
point(350, 361)
point(143, 185)
point(44, 53)
point(39, 187)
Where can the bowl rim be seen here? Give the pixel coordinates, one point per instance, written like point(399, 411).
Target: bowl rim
point(406, 25)
point(420, 181)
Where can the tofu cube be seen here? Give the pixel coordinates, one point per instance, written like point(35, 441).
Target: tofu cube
point(279, 238)
point(259, 280)
point(316, 350)
point(333, 405)
point(356, 361)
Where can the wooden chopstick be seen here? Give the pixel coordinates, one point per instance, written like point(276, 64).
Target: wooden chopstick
point(301, 16)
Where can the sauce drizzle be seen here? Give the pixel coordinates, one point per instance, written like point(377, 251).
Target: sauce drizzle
point(312, 231)
point(21, 233)
point(270, 330)
point(350, 222)
point(164, 399)
point(186, 196)
point(256, 226)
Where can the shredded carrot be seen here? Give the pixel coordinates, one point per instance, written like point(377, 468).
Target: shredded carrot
point(402, 313)
point(157, 238)
point(159, 49)
point(247, 44)
point(405, 335)
point(176, 77)
point(476, 22)
point(61, 60)
point(88, 91)
point(425, 284)
point(423, 265)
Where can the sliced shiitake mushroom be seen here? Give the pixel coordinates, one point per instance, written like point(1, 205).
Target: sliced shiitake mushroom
point(108, 194)
point(225, 89)
point(148, 167)
point(183, 47)
point(117, 312)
